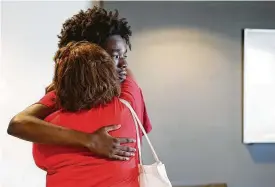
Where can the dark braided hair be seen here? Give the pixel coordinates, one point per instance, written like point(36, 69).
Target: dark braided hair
point(94, 25)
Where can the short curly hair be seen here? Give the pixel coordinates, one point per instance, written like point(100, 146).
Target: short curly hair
point(94, 25)
point(85, 77)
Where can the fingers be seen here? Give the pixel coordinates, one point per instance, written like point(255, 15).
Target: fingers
point(111, 147)
point(121, 158)
point(111, 128)
point(123, 153)
point(125, 140)
point(126, 149)
point(118, 140)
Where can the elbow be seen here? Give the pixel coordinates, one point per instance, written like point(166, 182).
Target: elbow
point(14, 125)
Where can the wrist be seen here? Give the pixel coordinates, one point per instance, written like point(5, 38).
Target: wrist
point(84, 139)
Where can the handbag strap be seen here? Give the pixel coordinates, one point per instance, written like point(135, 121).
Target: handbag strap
point(139, 124)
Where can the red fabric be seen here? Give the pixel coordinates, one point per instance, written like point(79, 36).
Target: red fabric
point(49, 101)
point(74, 167)
point(146, 121)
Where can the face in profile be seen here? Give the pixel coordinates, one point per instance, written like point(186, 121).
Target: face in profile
point(117, 48)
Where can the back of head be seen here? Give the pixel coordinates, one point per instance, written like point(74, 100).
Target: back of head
point(94, 25)
point(85, 77)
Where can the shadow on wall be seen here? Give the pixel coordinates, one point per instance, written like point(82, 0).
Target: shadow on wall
point(262, 153)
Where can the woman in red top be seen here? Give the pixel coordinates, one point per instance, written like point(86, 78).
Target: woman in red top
point(87, 90)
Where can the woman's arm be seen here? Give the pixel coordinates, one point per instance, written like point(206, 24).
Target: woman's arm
point(28, 125)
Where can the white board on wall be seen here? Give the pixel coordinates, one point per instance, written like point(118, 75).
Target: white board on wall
point(259, 86)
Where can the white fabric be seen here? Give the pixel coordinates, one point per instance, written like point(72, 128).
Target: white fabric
point(149, 175)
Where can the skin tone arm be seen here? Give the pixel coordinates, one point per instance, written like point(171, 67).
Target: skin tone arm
point(28, 125)
point(36, 130)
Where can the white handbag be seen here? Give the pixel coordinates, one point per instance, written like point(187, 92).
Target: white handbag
point(149, 175)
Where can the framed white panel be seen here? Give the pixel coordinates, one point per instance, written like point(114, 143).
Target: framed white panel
point(259, 86)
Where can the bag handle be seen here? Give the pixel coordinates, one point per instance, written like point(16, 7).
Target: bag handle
point(139, 124)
